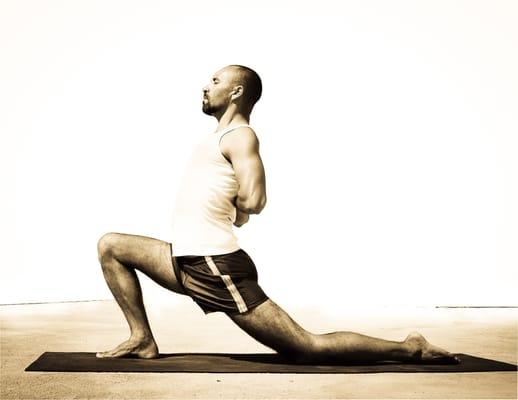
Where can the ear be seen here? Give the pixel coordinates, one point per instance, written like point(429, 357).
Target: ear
point(236, 92)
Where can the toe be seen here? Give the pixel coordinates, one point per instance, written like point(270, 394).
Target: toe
point(115, 353)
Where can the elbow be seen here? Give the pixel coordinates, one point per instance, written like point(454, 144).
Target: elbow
point(260, 205)
point(252, 206)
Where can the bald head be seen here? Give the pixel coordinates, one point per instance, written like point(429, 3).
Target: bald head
point(250, 80)
point(233, 86)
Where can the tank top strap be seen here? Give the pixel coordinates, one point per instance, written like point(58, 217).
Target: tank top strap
point(228, 129)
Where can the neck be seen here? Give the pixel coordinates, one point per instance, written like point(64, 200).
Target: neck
point(232, 116)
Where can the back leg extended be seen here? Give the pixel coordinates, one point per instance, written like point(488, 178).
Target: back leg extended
point(272, 326)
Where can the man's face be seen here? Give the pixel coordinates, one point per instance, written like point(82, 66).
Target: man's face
point(217, 94)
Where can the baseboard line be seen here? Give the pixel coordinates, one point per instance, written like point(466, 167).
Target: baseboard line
point(89, 301)
point(52, 302)
point(476, 306)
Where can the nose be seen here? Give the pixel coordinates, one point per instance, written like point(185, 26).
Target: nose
point(205, 90)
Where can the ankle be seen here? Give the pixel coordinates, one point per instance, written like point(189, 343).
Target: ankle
point(142, 337)
point(412, 350)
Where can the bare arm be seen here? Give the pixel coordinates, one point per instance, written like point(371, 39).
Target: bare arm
point(241, 148)
point(241, 218)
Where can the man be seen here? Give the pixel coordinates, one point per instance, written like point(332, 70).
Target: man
point(225, 183)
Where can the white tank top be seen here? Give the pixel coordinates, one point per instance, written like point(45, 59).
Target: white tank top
point(204, 211)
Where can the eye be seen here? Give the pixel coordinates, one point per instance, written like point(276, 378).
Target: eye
point(215, 80)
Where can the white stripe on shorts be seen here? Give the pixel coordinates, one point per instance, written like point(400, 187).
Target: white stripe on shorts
point(241, 305)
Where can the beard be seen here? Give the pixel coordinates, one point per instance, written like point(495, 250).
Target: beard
point(207, 108)
point(213, 107)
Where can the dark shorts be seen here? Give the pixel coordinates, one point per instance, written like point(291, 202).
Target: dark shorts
point(225, 282)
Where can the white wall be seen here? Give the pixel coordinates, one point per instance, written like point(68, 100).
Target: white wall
point(388, 132)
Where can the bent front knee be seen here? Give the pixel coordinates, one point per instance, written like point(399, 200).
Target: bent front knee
point(106, 245)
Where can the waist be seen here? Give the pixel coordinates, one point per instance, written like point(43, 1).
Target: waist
point(196, 235)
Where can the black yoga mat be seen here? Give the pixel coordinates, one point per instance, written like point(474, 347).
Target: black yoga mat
point(244, 363)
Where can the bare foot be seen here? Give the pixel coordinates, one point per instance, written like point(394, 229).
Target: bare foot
point(138, 348)
point(428, 353)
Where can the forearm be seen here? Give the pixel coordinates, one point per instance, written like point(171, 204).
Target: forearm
point(241, 218)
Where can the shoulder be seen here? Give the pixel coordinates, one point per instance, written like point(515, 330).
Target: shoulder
point(239, 140)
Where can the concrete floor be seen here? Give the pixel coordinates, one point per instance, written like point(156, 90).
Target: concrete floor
point(29, 330)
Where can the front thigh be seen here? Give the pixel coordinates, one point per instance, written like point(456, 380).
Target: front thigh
point(150, 256)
